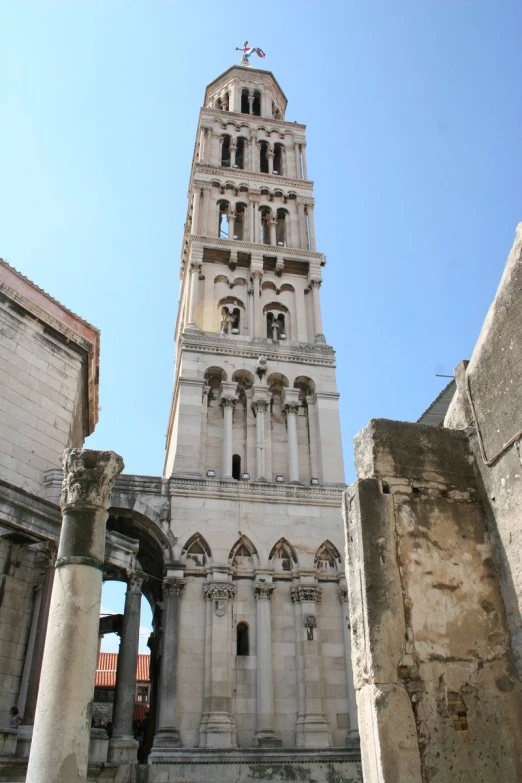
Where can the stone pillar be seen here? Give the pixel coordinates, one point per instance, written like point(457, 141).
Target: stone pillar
point(297, 161)
point(319, 337)
point(44, 560)
point(221, 139)
point(195, 269)
point(265, 735)
point(231, 224)
point(312, 729)
point(353, 731)
point(195, 211)
point(123, 747)
point(270, 156)
point(273, 225)
point(218, 727)
point(167, 734)
point(260, 406)
point(291, 408)
point(250, 312)
point(233, 148)
point(250, 101)
point(253, 153)
point(311, 225)
point(301, 223)
point(60, 745)
point(205, 231)
point(257, 275)
point(315, 471)
point(303, 153)
point(254, 220)
point(228, 401)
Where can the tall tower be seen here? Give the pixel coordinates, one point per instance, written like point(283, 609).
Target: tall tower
point(254, 456)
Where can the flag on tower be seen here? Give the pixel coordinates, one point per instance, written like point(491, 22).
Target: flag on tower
point(248, 51)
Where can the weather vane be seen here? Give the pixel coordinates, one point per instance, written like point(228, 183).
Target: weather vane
point(248, 51)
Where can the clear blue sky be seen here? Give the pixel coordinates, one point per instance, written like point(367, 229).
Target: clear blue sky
point(414, 143)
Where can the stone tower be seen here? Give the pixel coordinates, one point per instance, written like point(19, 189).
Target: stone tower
point(253, 451)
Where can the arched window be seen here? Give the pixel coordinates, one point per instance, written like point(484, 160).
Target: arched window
point(275, 326)
point(223, 227)
point(256, 106)
point(265, 227)
point(327, 558)
point(236, 467)
point(230, 320)
point(196, 551)
point(263, 157)
point(281, 228)
point(242, 641)
point(240, 152)
point(245, 108)
point(278, 159)
point(239, 221)
point(283, 556)
point(225, 151)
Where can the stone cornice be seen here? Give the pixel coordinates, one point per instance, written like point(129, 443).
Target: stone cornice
point(308, 353)
point(249, 176)
point(257, 491)
point(253, 247)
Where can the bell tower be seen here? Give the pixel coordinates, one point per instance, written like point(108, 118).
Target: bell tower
point(253, 450)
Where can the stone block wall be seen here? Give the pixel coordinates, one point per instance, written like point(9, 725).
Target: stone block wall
point(39, 380)
point(438, 699)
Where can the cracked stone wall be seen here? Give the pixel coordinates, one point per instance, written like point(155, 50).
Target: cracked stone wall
point(437, 697)
point(492, 384)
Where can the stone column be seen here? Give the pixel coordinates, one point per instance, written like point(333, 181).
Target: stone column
point(250, 102)
point(311, 225)
point(265, 735)
point(195, 211)
point(221, 139)
point(231, 224)
point(270, 156)
point(195, 269)
point(353, 731)
point(311, 401)
point(273, 224)
point(257, 275)
point(250, 312)
point(291, 408)
point(206, 199)
point(303, 152)
point(61, 735)
point(167, 734)
point(123, 747)
point(253, 153)
point(260, 405)
point(254, 220)
point(233, 148)
point(312, 729)
point(218, 727)
point(301, 223)
point(315, 285)
point(297, 161)
point(45, 561)
point(228, 401)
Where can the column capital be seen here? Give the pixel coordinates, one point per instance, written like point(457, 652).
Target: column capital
point(291, 408)
point(263, 591)
point(219, 592)
point(300, 593)
point(88, 478)
point(206, 187)
point(260, 406)
point(174, 587)
point(310, 621)
point(257, 274)
point(135, 581)
point(290, 400)
point(315, 282)
point(229, 400)
point(195, 266)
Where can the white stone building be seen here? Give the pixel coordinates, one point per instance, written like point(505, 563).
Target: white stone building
point(239, 546)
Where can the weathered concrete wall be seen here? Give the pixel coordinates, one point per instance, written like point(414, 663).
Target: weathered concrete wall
point(494, 381)
point(438, 700)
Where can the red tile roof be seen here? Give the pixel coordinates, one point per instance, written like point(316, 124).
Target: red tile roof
point(107, 665)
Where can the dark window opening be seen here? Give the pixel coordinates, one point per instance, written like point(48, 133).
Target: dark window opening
point(236, 467)
point(256, 106)
point(245, 109)
point(278, 159)
point(240, 153)
point(263, 157)
point(265, 228)
point(242, 639)
point(310, 634)
point(225, 151)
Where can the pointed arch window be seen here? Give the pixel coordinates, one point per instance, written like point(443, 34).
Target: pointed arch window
point(327, 559)
point(283, 556)
point(196, 551)
point(243, 555)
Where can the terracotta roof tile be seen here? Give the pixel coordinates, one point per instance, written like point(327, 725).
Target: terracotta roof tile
point(107, 665)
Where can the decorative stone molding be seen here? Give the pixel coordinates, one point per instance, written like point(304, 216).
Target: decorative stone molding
point(174, 587)
point(291, 407)
point(310, 621)
point(219, 592)
point(210, 342)
point(257, 176)
point(301, 593)
point(263, 591)
point(260, 406)
point(88, 478)
point(229, 400)
point(303, 254)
